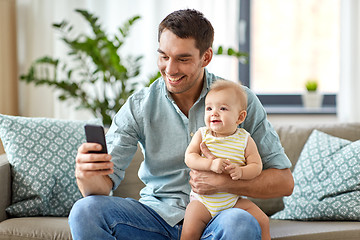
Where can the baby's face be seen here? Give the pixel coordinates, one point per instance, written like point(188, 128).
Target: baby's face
point(222, 112)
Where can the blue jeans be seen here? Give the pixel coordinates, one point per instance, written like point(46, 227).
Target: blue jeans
point(104, 217)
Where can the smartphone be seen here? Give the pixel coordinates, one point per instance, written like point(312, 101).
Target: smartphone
point(95, 134)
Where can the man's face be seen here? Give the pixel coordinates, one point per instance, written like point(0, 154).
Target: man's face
point(180, 63)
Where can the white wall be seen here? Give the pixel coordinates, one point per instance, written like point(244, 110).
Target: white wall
point(36, 38)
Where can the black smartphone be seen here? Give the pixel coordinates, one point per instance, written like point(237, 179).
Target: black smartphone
point(95, 134)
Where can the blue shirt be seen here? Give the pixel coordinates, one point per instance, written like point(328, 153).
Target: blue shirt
point(152, 118)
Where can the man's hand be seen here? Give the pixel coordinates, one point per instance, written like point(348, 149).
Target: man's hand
point(92, 164)
point(92, 170)
point(206, 182)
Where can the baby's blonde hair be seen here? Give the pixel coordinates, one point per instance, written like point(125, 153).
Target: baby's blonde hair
point(221, 84)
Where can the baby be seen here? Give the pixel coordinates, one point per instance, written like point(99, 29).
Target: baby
point(236, 154)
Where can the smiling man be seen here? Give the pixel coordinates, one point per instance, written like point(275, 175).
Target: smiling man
point(181, 65)
point(163, 119)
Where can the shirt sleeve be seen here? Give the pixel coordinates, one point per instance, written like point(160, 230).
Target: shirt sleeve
point(122, 139)
point(266, 139)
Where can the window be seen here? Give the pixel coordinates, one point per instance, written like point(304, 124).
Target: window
point(290, 41)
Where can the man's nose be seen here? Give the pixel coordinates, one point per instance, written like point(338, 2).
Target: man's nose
point(171, 67)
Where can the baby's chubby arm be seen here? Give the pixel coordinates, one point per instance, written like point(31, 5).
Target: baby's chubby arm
point(253, 165)
point(194, 160)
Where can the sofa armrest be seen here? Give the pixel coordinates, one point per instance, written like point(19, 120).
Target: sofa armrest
point(5, 186)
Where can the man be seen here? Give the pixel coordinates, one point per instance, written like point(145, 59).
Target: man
point(163, 118)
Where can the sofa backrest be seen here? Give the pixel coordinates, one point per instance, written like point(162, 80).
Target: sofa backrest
point(293, 137)
point(131, 185)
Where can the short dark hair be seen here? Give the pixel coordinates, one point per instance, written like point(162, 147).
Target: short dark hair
point(189, 23)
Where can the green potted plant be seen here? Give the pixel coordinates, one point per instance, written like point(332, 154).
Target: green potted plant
point(98, 77)
point(312, 99)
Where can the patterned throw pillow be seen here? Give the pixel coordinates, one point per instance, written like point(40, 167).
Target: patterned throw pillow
point(42, 153)
point(327, 181)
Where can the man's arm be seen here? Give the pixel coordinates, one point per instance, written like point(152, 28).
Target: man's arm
point(92, 171)
point(270, 183)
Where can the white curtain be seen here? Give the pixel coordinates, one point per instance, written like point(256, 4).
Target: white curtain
point(349, 94)
point(36, 38)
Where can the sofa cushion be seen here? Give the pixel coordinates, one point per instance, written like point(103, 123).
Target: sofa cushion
point(327, 178)
point(314, 230)
point(42, 153)
point(44, 228)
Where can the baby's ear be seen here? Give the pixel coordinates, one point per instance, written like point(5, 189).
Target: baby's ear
point(242, 116)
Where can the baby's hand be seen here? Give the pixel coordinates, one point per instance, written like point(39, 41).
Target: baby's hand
point(235, 171)
point(218, 165)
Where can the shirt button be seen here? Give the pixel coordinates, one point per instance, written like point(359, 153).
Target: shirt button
point(191, 134)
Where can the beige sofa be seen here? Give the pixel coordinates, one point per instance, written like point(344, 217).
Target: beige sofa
point(293, 139)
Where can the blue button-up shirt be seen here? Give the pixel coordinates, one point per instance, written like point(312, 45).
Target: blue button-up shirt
point(152, 118)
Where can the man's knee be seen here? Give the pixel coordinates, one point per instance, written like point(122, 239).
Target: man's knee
point(232, 218)
point(86, 208)
point(234, 223)
point(88, 218)
point(85, 204)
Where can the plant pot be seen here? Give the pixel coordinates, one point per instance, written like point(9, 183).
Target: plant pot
point(312, 100)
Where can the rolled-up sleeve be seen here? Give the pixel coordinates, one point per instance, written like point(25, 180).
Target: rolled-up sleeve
point(122, 139)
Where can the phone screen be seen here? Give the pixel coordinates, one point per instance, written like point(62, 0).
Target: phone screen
point(95, 134)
